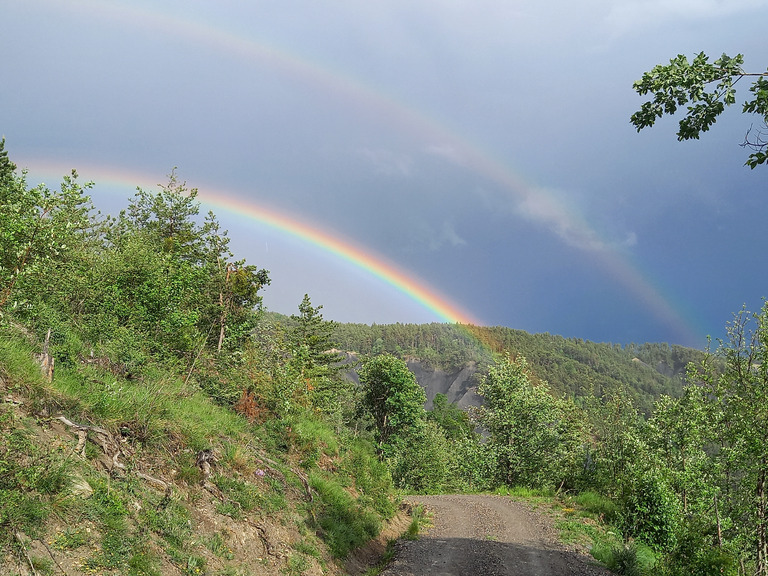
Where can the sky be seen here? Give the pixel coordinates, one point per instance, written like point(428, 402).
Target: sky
point(415, 161)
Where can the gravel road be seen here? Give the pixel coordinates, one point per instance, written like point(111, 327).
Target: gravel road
point(486, 536)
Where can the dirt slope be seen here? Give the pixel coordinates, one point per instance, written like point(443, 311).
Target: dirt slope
point(488, 536)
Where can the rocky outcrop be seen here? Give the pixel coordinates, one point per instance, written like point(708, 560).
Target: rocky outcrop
point(459, 385)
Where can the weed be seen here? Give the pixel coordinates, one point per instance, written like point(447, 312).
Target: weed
point(600, 506)
point(526, 492)
point(386, 558)
point(143, 563)
point(626, 559)
point(233, 571)
point(297, 564)
point(418, 519)
point(70, 539)
point(171, 522)
point(43, 566)
point(307, 548)
point(244, 494)
point(218, 545)
point(195, 566)
point(371, 477)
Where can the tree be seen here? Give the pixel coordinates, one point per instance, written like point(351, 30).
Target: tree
point(392, 397)
point(174, 277)
point(536, 435)
point(742, 391)
point(682, 82)
point(313, 342)
point(454, 421)
point(38, 226)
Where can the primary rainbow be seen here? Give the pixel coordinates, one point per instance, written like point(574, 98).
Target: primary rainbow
point(545, 207)
point(357, 255)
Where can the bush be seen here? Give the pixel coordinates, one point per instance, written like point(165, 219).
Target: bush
point(421, 459)
point(694, 552)
point(651, 512)
point(630, 559)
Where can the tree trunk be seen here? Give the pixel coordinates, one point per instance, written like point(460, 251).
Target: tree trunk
point(762, 518)
point(223, 317)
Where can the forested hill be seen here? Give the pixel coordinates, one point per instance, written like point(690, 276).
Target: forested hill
point(571, 366)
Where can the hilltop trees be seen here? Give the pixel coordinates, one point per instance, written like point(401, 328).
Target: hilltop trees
point(155, 281)
point(682, 82)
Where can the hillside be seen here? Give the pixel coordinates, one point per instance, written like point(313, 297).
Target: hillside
point(104, 474)
point(447, 359)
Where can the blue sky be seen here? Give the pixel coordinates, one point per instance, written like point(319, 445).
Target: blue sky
point(483, 147)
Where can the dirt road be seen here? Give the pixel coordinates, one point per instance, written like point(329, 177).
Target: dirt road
point(485, 536)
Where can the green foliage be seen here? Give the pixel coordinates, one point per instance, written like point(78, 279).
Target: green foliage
point(419, 518)
point(312, 342)
point(603, 508)
point(619, 448)
point(371, 476)
point(651, 512)
point(391, 396)
point(452, 420)
point(629, 559)
point(31, 478)
point(39, 229)
point(695, 553)
point(682, 82)
point(420, 460)
point(534, 434)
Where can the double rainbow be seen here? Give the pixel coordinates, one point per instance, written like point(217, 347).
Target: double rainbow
point(526, 200)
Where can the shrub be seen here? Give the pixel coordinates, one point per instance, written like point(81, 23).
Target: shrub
point(651, 512)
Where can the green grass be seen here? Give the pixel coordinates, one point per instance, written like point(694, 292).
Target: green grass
point(345, 524)
point(626, 559)
point(418, 519)
point(601, 507)
point(34, 479)
point(525, 492)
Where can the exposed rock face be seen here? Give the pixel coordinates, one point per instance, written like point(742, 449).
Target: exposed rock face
point(460, 385)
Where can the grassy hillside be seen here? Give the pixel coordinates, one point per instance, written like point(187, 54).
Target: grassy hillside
point(100, 474)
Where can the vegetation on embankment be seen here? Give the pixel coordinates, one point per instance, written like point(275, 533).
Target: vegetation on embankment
point(167, 482)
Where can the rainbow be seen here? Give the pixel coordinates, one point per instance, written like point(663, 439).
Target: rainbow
point(542, 206)
point(362, 258)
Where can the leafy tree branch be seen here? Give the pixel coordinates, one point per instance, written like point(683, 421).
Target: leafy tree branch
point(682, 83)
